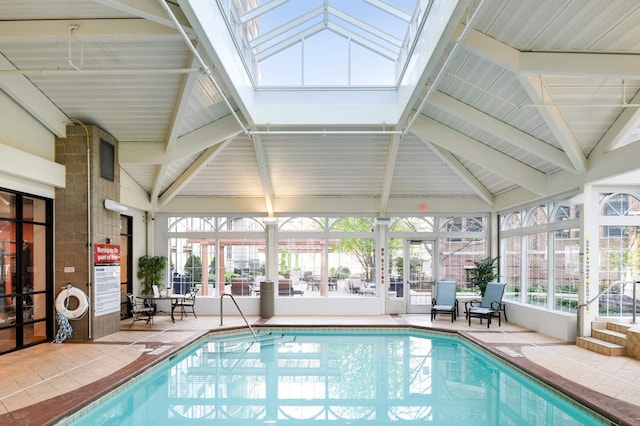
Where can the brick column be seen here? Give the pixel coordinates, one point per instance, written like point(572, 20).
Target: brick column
point(74, 239)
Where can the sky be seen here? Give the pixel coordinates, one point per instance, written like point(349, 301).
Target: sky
point(327, 58)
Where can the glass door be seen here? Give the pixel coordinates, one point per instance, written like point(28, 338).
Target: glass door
point(418, 277)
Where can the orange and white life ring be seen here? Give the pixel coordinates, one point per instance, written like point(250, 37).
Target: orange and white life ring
point(62, 302)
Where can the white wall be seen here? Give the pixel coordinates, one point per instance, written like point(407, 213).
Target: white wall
point(24, 141)
point(553, 323)
point(137, 202)
point(20, 130)
point(294, 305)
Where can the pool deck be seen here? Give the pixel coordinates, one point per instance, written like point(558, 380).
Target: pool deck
point(41, 385)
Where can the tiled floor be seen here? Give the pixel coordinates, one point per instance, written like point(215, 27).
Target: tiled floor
point(41, 384)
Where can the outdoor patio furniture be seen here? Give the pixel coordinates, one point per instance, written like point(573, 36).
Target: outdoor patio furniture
point(285, 288)
point(445, 301)
point(240, 286)
point(188, 302)
point(490, 306)
point(140, 311)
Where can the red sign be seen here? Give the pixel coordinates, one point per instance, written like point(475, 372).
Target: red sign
point(106, 253)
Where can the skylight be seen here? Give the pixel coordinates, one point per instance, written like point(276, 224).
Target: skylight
point(325, 43)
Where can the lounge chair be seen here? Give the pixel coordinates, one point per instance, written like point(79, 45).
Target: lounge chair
point(490, 306)
point(445, 301)
point(188, 302)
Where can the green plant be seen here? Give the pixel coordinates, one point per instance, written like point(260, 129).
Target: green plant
point(151, 271)
point(484, 272)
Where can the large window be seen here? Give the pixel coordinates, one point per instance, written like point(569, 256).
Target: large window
point(459, 242)
point(462, 242)
point(619, 251)
point(208, 252)
point(539, 255)
point(326, 256)
point(317, 256)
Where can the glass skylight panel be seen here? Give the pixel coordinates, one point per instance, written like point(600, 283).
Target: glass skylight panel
point(320, 43)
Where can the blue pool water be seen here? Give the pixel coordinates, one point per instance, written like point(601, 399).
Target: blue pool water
point(342, 377)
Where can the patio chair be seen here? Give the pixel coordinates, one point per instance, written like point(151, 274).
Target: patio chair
point(445, 301)
point(490, 306)
point(188, 302)
point(285, 288)
point(140, 311)
point(353, 284)
point(240, 286)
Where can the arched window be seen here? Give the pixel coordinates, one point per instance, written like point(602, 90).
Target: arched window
point(303, 224)
point(413, 224)
point(537, 216)
point(191, 224)
point(512, 221)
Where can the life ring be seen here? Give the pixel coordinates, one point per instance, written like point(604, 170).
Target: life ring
point(62, 301)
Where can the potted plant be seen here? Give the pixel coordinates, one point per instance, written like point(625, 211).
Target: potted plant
point(483, 272)
point(151, 271)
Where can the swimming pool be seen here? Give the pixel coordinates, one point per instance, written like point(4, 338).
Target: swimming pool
point(347, 377)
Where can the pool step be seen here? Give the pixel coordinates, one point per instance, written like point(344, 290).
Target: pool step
point(606, 338)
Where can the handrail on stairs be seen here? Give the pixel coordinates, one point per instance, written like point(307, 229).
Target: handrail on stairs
point(239, 310)
point(615, 283)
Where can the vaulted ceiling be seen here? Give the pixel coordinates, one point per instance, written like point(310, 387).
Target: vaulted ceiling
point(509, 101)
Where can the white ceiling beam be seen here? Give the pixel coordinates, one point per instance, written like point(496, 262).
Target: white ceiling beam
point(87, 30)
point(490, 49)
point(501, 129)
point(425, 67)
point(552, 63)
point(614, 163)
point(24, 165)
point(259, 10)
point(192, 171)
point(510, 58)
point(480, 154)
point(387, 178)
point(150, 10)
point(626, 123)
point(186, 145)
point(29, 97)
point(320, 205)
point(608, 65)
point(514, 197)
point(263, 171)
point(458, 168)
point(179, 111)
point(539, 94)
point(605, 166)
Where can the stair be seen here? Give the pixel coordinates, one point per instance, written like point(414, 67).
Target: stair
point(607, 338)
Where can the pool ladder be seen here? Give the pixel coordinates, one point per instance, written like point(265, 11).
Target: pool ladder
point(239, 310)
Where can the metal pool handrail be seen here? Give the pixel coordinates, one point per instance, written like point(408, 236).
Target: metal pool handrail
point(239, 310)
point(615, 283)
